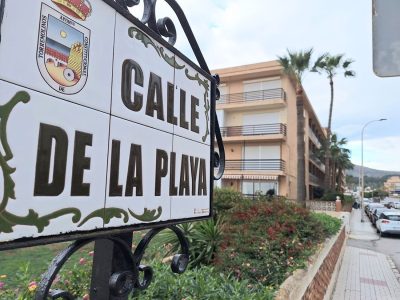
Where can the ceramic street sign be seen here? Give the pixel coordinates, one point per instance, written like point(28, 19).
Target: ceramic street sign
point(103, 125)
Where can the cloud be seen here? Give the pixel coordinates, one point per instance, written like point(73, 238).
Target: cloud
point(379, 153)
point(235, 32)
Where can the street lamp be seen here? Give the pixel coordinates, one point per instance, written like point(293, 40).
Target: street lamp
point(362, 166)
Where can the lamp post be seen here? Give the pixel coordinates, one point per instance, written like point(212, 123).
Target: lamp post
point(362, 165)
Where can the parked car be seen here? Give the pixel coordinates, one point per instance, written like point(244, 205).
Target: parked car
point(370, 206)
point(388, 222)
point(393, 204)
point(366, 201)
point(376, 212)
point(385, 201)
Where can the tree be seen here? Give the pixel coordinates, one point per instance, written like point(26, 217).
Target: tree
point(340, 160)
point(295, 64)
point(331, 65)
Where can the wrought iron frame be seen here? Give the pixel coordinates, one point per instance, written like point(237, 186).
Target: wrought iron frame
point(124, 268)
point(116, 270)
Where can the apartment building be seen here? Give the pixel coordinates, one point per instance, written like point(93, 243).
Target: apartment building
point(257, 115)
point(392, 185)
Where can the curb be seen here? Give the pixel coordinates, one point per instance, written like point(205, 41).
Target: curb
point(363, 238)
point(394, 268)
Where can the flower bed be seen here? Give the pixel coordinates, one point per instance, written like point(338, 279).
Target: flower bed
point(265, 241)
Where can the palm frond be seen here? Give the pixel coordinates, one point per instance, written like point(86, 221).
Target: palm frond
point(347, 63)
point(296, 63)
point(320, 63)
point(349, 74)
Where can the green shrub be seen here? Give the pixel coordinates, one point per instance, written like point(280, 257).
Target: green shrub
point(225, 199)
point(331, 196)
point(265, 241)
point(201, 283)
point(330, 225)
point(204, 238)
point(348, 199)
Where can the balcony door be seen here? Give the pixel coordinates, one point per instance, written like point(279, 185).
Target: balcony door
point(255, 156)
point(254, 89)
point(252, 123)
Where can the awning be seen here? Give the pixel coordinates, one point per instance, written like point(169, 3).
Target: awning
point(250, 177)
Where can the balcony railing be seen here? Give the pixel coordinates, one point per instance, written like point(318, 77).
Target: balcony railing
point(262, 129)
point(255, 164)
point(253, 96)
point(314, 138)
point(314, 158)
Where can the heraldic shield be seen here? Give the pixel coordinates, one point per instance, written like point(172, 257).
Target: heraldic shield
point(62, 51)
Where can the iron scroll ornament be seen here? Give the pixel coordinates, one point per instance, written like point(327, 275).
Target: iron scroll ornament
point(165, 28)
point(124, 281)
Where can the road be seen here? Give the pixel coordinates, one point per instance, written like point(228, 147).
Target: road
point(389, 245)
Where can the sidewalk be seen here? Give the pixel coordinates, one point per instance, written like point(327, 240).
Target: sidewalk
point(361, 231)
point(365, 274)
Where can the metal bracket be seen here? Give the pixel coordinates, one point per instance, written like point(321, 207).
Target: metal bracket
point(124, 279)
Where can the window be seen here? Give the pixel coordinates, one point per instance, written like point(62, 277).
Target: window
point(224, 91)
point(255, 157)
point(254, 89)
point(251, 187)
point(260, 85)
point(262, 152)
point(393, 218)
point(263, 118)
point(221, 117)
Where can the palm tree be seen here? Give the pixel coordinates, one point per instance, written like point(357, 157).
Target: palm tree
point(340, 160)
point(331, 65)
point(295, 64)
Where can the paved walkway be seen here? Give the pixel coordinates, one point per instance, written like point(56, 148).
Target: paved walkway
point(365, 274)
point(361, 230)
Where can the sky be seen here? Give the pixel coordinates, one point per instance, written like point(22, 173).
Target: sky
point(236, 32)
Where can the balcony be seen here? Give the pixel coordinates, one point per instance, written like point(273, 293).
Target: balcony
point(272, 97)
point(270, 132)
point(314, 138)
point(314, 180)
point(255, 165)
point(316, 161)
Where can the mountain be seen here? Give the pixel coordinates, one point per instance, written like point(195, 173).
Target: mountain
point(371, 172)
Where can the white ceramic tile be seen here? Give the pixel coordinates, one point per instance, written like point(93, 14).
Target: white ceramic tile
point(195, 124)
point(26, 126)
point(192, 202)
point(134, 47)
point(48, 49)
point(146, 140)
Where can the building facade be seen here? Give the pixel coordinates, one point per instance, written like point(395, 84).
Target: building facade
point(257, 116)
point(392, 185)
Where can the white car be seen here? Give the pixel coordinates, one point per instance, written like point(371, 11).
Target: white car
point(388, 222)
point(370, 206)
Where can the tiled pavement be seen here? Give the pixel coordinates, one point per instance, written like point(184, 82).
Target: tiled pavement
point(365, 274)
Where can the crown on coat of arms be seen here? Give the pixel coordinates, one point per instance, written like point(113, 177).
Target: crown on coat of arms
point(80, 9)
